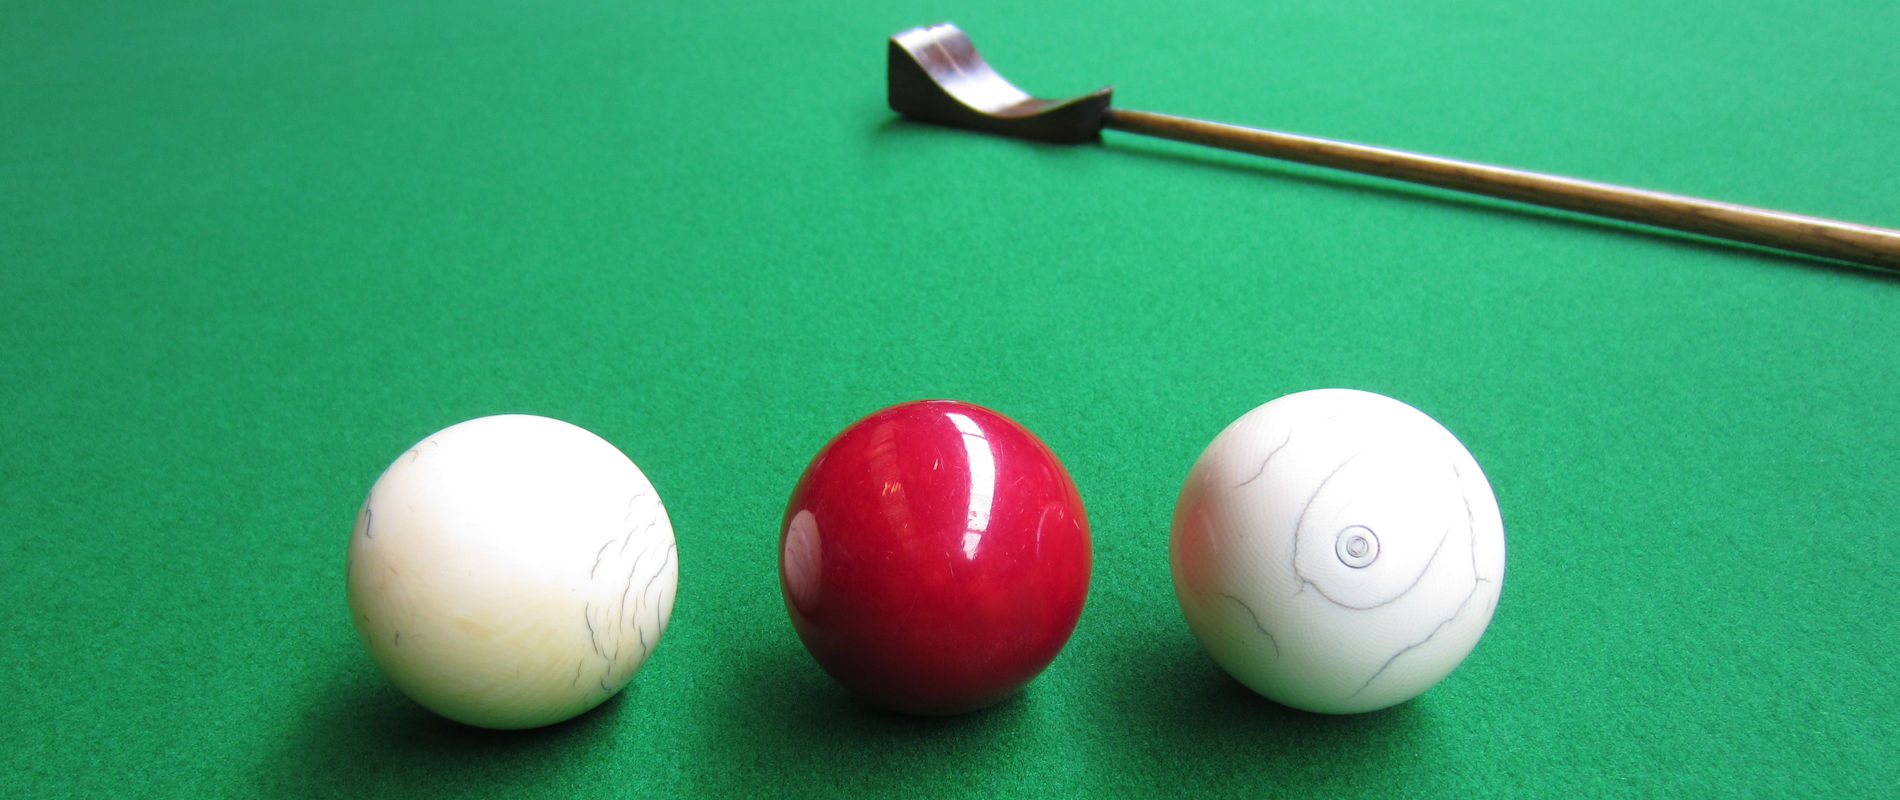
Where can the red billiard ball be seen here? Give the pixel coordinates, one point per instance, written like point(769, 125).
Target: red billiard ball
point(934, 557)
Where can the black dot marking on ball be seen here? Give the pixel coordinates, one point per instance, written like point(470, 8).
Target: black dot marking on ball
point(1357, 546)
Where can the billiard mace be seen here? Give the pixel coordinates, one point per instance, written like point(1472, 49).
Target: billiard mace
point(936, 75)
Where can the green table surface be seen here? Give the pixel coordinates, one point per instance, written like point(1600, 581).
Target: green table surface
point(250, 252)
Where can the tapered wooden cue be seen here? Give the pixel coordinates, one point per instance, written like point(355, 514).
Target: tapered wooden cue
point(937, 76)
point(1844, 241)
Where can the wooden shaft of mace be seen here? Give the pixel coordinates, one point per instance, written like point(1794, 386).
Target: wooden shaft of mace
point(1844, 241)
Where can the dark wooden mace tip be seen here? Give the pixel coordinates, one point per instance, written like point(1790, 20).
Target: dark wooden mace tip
point(937, 76)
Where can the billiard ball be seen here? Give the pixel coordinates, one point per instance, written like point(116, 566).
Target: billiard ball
point(1337, 551)
point(511, 571)
point(934, 557)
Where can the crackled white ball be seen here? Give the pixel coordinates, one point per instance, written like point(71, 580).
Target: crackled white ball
point(1337, 551)
point(511, 571)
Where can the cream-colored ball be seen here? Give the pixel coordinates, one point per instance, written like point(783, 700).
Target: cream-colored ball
point(1337, 551)
point(511, 571)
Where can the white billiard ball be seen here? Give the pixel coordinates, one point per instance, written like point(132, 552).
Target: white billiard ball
point(1337, 551)
point(511, 571)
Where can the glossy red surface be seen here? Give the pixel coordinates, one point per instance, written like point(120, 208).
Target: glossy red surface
point(934, 557)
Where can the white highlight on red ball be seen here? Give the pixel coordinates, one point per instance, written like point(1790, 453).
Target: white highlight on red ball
point(1337, 551)
point(511, 571)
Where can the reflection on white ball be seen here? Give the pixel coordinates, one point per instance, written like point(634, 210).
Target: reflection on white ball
point(511, 571)
point(1337, 551)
